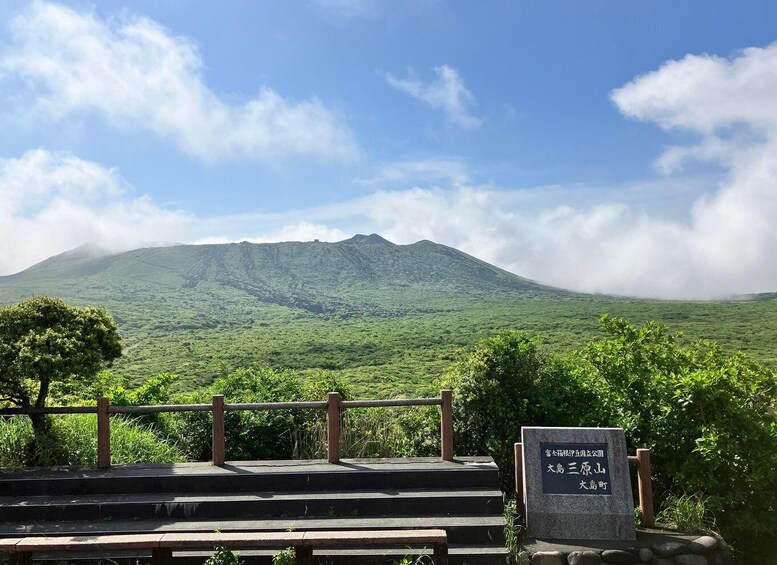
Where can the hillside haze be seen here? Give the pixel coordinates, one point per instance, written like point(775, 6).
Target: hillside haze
point(386, 317)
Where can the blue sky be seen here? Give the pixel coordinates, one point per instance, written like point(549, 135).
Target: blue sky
point(603, 146)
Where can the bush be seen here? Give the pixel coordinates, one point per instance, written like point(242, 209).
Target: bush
point(707, 418)
point(375, 432)
point(257, 434)
point(224, 556)
point(509, 381)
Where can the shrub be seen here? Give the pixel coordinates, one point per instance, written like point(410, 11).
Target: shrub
point(224, 556)
point(368, 432)
point(707, 418)
point(375, 432)
point(509, 381)
point(259, 434)
point(285, 557)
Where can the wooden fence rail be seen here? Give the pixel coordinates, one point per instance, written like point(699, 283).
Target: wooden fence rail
point(333, 405)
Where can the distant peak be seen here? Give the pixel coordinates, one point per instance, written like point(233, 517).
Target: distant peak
point(87, 250)
point(372, 238)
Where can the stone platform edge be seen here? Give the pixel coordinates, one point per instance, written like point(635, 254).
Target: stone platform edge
point(655, 548)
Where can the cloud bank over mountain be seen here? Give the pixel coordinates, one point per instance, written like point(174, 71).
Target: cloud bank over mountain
point(52, 202)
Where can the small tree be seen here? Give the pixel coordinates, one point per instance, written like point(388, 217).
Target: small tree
point(45, 342)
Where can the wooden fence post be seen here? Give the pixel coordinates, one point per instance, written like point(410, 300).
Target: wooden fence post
point(645, 486)
point(218, 429)
point(446, 425)
point(333, 427)
point(103, 434)
point(519, 505)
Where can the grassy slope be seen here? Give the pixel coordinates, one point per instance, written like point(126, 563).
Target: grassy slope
point(387, 317)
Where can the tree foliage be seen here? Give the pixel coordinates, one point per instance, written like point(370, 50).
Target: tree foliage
point(44, 343)
point(708, 418)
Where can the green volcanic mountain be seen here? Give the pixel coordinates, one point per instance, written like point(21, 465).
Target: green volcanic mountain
point(233, 284)
point(388, 317)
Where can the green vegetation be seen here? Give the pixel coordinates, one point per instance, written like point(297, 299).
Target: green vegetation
point(509, 381)
point(15, 436)
point(45, 344)
point(376, 432)
point(286, 556)
point(72, 440)
point(707, 417)
point(385, 318)
point(224, 556)
point(513, 529)
point(417, 560)
point(686, 513)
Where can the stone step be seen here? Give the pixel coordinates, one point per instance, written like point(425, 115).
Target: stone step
point(331, 504)
point(461, 497)
point(350, 474)
point(461, 529)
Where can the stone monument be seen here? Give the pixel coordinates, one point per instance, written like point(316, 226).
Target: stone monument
point(576, 484)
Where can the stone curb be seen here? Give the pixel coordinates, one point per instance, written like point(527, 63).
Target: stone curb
point(704, 550)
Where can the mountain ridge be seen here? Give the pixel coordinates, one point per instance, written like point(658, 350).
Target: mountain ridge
point(287, 273)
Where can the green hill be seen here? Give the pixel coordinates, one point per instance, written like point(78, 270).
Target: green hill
point(388, 317)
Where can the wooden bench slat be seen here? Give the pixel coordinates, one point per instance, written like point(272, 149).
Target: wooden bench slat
point(81, 543)
point(165, 542)
point(374, 537)
point(231, 539)
point(8, 544)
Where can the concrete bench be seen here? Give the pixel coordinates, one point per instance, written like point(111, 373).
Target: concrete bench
point(163, 544)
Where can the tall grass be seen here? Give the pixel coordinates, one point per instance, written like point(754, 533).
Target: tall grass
point(373, 432)
point(15, 436)
point(686, 513)
point(72, 440)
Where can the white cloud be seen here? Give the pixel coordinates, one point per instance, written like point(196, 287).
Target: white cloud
point(705, 93)
point(135, 74)
point(52, 202)
point(446, 93)
point(726, 242)
point(300, 231)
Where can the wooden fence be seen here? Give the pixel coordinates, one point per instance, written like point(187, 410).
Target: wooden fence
point(333, 406)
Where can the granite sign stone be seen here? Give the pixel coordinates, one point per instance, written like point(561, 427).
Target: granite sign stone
point(577, 484)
